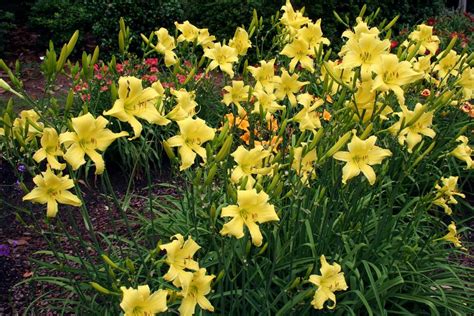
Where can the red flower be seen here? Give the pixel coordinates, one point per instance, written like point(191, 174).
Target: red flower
point(151, 61)
point(431, 21)
point(393, 44)
point(181, 78)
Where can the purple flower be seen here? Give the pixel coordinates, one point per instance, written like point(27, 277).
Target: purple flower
point(21, 168)
point(4, 250)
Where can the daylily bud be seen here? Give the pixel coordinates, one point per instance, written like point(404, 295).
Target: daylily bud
point(101, 289)
point(211, 174)
point(168, 150)
point(72, 42)
point(338, 145)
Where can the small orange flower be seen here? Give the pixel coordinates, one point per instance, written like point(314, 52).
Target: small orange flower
point(326, 115)
point(329, 99)
point(426, 93)
point(239, 122)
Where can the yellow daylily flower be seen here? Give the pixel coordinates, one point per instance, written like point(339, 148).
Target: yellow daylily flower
point(50, 149)
point(291, 19)
point(359, 29)
point(365, 104)
point(264, 74)
point(361, 156)
point(52, 189)
point(88, 137)
point(448, 65)
point(304, 165)
point(195, 286)
point(424, 35)
point(365, 52)
point(250, 162)
point(238, 92)
point(185, 105)
point(193, 134)
point(179, 256)
point(393, 74)
point(307, 117)
point(422, 64)
point(222, 56)
point(189, 32)
point(313, 35)
point(298, 51)
point(446, 194)
point(413, 134)
point(240, 41)
point(463, 151)
point(134, 101)
point(467, 83)
point(251, 208)
point(330, 281)
point(28, 123)
point(166, 45)
point(140, 301)
point(346, 75)
point(453, 236)
point(287, 86)
point(266, 100)
point(205, 39)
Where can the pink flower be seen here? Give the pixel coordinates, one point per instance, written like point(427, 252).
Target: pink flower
point(119, 68)
point(187, 64)
point(153, 69)
point(181, 78)
point(167, 85)
point(104, 88)
point(151, 61)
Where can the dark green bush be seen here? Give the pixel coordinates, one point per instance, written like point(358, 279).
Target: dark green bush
point(6, 25)
point(57, 19)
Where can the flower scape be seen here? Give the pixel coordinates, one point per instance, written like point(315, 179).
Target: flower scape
point(309, 177)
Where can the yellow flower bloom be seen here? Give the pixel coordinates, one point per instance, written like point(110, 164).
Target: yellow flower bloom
point(49, 149)
point(361, 156)
point(287, 86)
point(139, 302)
point(264, 74)
point(185, 105)
point(463, 151)
point(89, 136)
point(453, 236)
point(193, 134)
point(252, 208)
point(365, 105)
point(298, 51)
point(195, 286)
point(166, 45)
point(330, 281)
point(134, 101)
point(240, 41)
point(179, 256)
point(392, 75)
point(448, 65)
point(413, 134)
point(266, 100)
point(467, 83)
point(304, 165)
point(238, 92)
point(291, 19)
point(359, 29)
point(205, 39)
point(346, 75)
point(313, 35)
point(52, 189)
point(24, 124)
point(446, 194)
point(307, 117)
point(250, 162)
point(365, 52)
point(424, 35)
point(222, 56)
point(189, 32)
